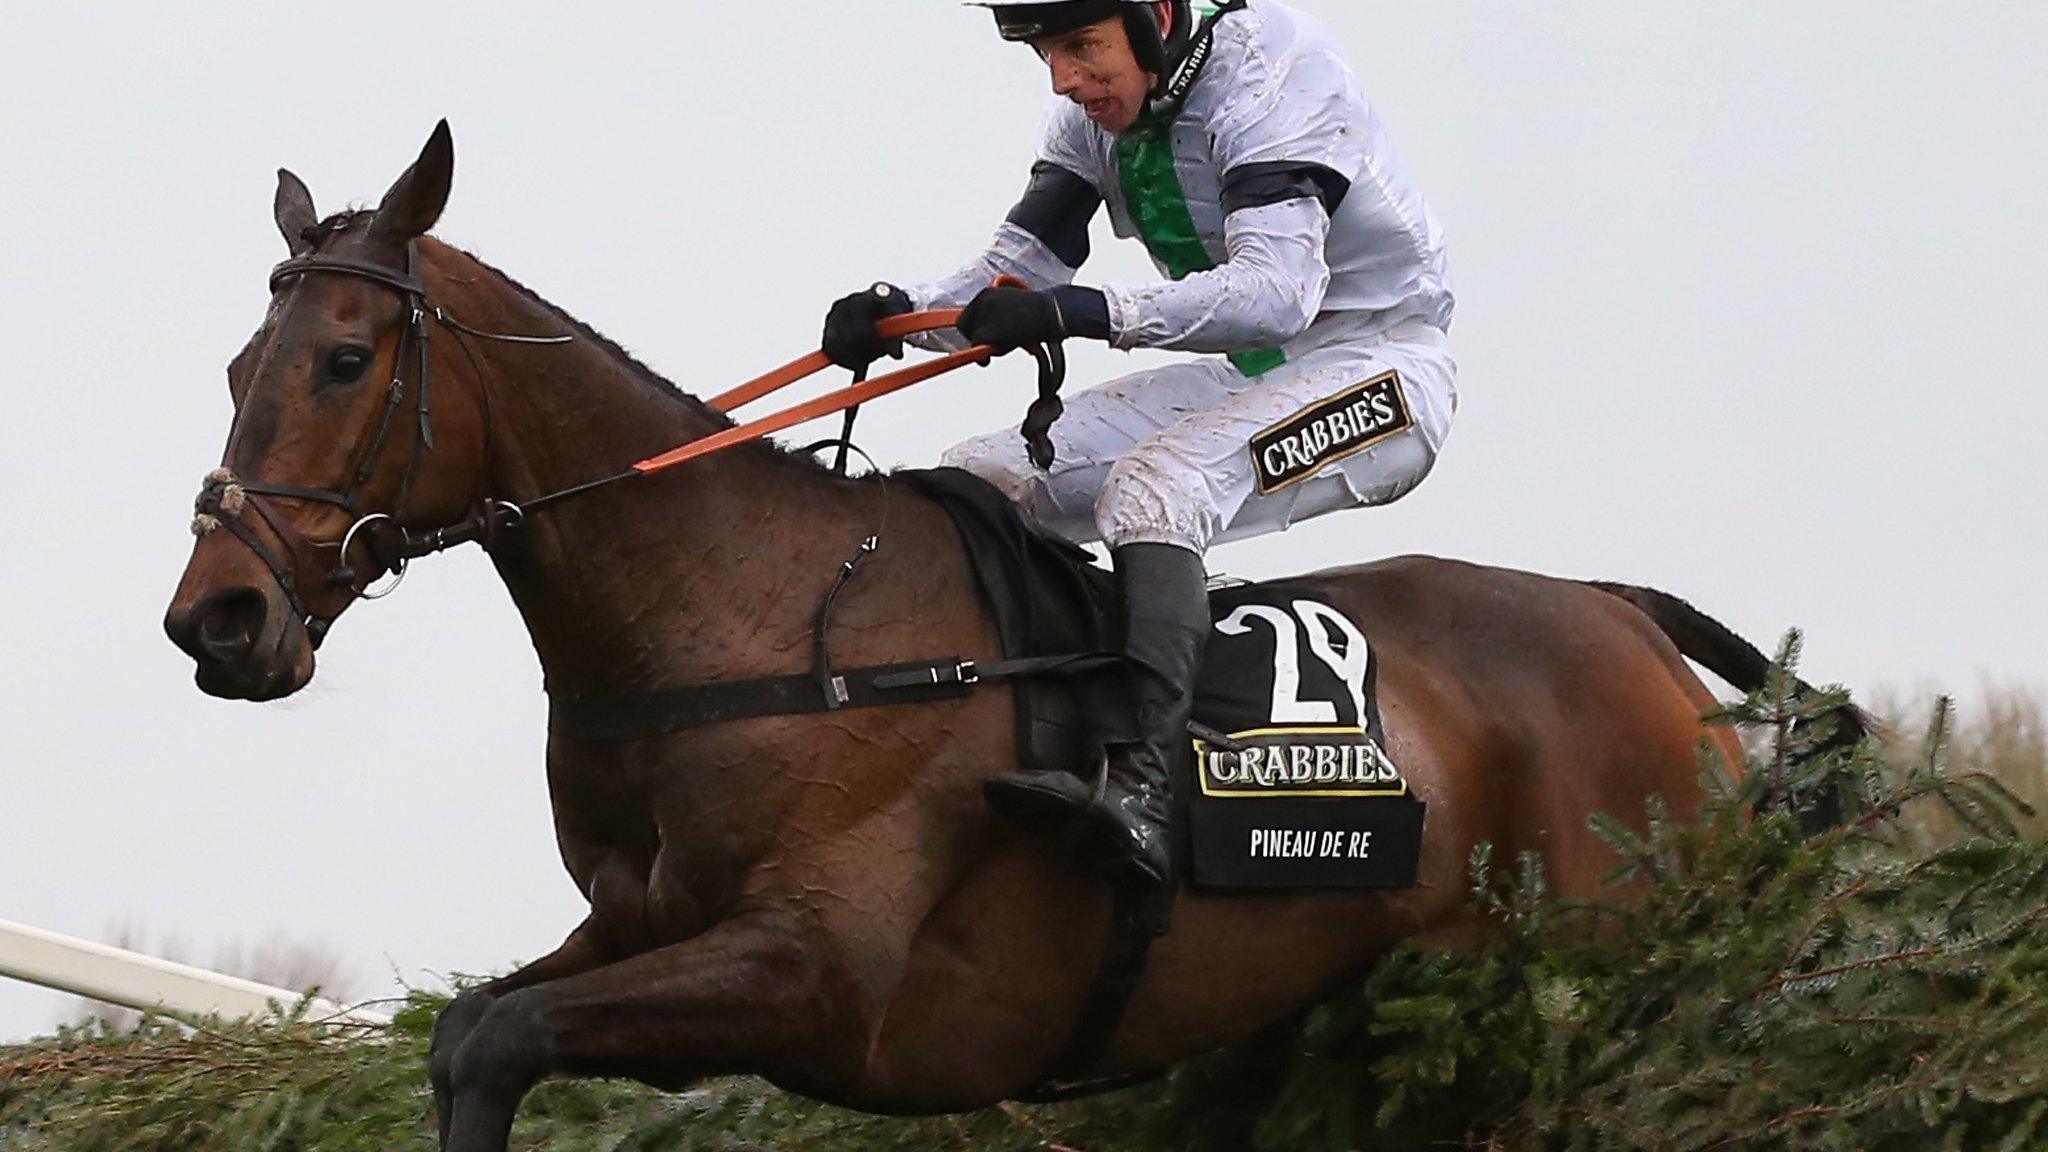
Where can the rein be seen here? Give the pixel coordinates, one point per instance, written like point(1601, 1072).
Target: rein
point(315, 575)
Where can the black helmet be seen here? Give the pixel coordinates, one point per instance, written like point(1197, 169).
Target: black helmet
point(1157, 53)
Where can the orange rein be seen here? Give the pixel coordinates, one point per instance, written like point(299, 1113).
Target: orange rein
point(893, 328)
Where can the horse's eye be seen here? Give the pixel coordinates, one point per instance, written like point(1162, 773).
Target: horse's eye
point(345, 365)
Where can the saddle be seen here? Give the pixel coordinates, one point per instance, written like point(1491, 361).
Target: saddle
point(1290, 785)
point(1047, 598)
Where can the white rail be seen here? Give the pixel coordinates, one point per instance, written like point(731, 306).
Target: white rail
point(146, 983)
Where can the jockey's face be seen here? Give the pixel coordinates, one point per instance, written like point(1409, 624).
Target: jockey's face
point(1095, 68)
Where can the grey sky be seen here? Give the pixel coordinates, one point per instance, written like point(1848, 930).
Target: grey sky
point(1747, 311)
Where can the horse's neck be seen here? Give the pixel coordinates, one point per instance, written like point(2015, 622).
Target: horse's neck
point(706, 572)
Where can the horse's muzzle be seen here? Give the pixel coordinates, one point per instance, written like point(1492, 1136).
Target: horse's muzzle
point(247, 643)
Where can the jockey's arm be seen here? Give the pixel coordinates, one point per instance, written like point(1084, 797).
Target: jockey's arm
point(1287, 151)
point(1042, 242)
point(1268, 290)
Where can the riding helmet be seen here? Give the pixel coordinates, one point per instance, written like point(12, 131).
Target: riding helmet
point(1157, 53)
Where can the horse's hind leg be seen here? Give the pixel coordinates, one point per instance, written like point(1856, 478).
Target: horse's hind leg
point(761, 991)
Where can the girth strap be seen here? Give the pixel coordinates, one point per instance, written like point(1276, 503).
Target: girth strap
point(974, 672)
point(1139, 917)
point(698, 705)
point(688, 706)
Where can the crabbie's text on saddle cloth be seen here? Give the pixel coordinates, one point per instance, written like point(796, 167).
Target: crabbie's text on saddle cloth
point(1316, 764)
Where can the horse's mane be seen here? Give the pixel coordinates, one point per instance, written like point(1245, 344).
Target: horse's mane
point(584, 331)
point(343, 221)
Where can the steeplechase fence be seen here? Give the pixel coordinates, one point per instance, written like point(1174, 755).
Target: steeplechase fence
point(146, 983)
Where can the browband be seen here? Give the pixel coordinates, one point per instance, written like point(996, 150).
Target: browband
point(408, 282)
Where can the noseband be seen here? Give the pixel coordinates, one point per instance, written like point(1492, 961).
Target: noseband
point(314, 575)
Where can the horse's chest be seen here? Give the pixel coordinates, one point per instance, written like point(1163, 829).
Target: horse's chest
point(657, 849)
point(635, 855)
point(644, 896)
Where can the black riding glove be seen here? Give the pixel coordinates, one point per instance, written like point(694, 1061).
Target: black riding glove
point(1009, 318)
point(850, 338)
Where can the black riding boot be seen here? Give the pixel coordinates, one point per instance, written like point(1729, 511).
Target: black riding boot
point(1129, 815)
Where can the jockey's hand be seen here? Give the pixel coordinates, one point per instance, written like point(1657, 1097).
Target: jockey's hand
point(850, 339)
point(1009, 318)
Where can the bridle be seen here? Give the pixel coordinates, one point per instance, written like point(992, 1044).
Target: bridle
point(315, 576)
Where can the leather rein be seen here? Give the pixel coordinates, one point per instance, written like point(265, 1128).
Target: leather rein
point(317, 577)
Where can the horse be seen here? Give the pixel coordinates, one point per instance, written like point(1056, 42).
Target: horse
point(824, 900)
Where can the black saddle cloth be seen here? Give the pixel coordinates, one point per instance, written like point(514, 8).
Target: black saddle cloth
point(1049, 597)
point(1289, 785)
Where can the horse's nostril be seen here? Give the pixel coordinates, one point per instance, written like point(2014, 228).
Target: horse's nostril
point(224, 626)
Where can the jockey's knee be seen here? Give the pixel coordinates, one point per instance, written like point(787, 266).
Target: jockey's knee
point(998, 458)
point(1154, 498)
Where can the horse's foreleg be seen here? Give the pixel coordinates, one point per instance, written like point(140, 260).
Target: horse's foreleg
point(761, 992)
point(578, 954)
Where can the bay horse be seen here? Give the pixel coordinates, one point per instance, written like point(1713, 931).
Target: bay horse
point(824, 900)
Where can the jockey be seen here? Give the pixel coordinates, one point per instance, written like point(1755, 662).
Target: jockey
point(1237, 146)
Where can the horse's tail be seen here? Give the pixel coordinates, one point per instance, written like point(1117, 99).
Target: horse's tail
point(1716, 647)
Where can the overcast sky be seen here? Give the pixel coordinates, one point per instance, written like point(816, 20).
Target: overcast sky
point(1748, 310)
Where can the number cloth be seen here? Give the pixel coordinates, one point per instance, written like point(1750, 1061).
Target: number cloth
point(1297, 247)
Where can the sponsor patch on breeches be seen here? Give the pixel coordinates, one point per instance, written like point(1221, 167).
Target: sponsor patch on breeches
point(1329, 430)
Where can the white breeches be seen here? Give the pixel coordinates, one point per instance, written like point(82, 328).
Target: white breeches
point(1164, 456)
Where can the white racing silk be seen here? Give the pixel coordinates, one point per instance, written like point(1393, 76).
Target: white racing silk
point(1287, 224)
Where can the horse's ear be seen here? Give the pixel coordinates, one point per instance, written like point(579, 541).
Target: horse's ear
point(421, 191)
point(294, 209)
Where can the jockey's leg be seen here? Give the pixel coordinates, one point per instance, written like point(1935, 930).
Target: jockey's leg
point(1166, 609)
point(1099, 426)
point(1218, 442)
point(1173, 494)
point(1194, 484)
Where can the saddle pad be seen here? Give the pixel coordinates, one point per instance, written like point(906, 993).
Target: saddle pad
point(1303, 798)
point(1302, 793)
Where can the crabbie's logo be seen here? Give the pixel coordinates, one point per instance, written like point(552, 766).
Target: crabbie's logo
point(1293, 787)
point(1298, 762)
point(1329, 430)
